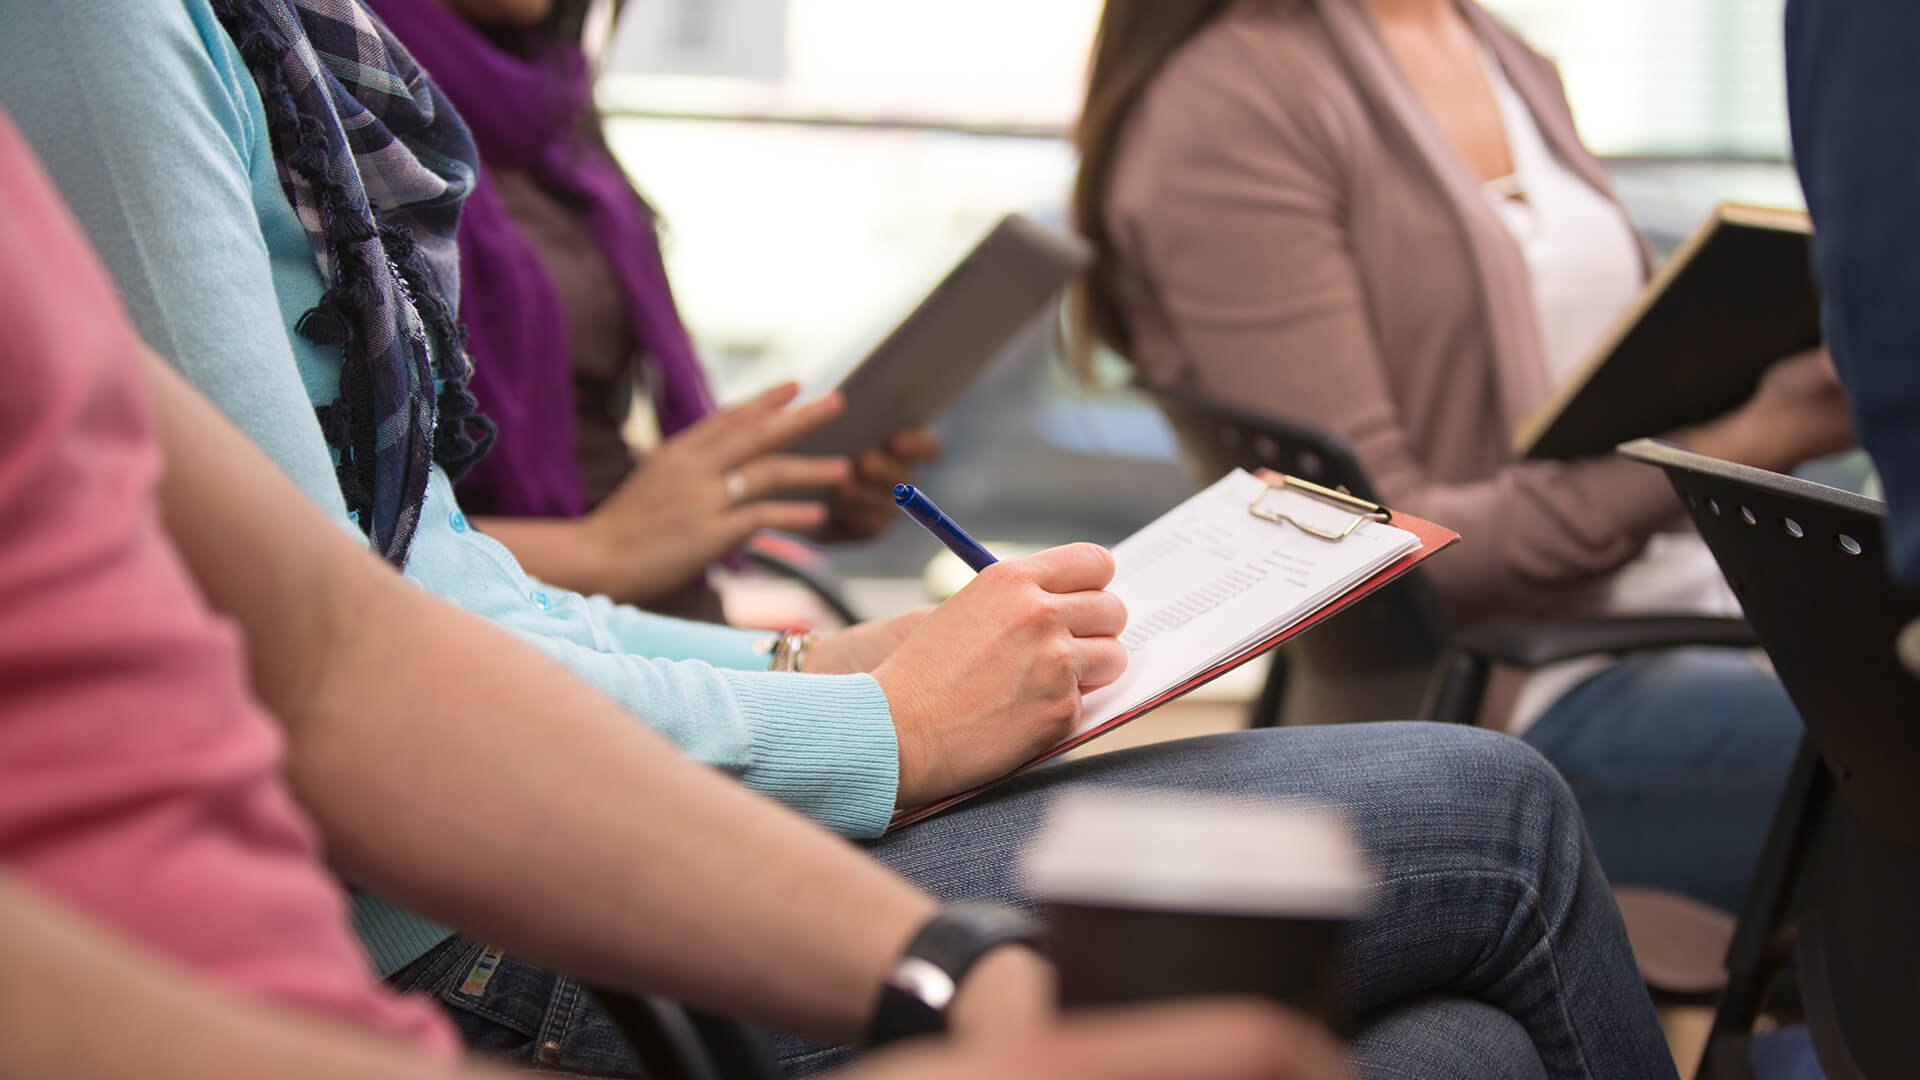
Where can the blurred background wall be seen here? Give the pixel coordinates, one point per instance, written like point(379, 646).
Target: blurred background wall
point(851, 150)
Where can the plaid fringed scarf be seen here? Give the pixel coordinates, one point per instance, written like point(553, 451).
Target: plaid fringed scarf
point(376, 164)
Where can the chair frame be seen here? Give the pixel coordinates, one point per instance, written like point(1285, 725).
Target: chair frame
point(1841, 871)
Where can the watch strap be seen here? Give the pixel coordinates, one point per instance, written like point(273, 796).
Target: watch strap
point(923, 983)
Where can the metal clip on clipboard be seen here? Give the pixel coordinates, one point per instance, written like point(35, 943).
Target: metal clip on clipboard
point(1361, 510)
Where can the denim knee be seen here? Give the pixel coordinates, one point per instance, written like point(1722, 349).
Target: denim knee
point(1444, 1037)
point(1476, 762)
point(1507, 798)
point(1525, 776)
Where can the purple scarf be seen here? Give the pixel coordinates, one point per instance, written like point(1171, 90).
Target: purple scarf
point(526, 115)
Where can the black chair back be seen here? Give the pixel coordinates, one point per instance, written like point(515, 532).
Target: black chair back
point(1808, 565)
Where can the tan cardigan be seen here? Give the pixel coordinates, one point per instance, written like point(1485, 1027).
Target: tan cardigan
point(1297, 234)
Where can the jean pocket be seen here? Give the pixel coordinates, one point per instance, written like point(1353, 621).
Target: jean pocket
point(518, 1013)
point(498, 1003)
point(429, 971)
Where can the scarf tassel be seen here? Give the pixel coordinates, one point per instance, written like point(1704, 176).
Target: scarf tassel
point(443, 425)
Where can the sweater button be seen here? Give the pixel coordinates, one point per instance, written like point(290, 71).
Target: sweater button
point(458, 521)
point(540, 600)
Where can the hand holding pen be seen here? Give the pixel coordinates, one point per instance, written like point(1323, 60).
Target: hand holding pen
point(1019, 645)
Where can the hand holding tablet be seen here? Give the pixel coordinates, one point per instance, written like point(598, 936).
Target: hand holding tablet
point(937, 351)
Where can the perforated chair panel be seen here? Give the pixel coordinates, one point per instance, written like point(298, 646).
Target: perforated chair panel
point(1808, 565)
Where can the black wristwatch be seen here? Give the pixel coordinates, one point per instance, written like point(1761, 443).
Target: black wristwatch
point(923, 982)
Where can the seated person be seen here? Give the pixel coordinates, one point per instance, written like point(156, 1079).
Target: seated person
point(1854, 108)
point(568, 309)
point(176, 1027)
point(171, 1022)
point(141, 783)
point(1376, 217)
point(230, 283)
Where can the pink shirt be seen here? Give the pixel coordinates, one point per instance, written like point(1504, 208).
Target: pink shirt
point(139, 780)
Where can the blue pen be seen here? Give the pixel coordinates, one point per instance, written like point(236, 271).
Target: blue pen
point(945, 529)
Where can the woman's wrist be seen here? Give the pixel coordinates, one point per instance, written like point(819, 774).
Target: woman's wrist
point(609, 561)
point(826, 655)
point(599, 547)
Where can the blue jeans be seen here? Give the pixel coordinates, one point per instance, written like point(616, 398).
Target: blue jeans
point(1494, 948)
point(512, 1011)
point(1678, 759)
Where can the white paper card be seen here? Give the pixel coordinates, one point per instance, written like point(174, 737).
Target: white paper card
point(1209, 580)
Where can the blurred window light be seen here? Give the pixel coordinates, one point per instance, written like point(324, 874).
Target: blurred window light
point(1011, 63)
point(1661, 78)
point(809, 201)
point(806, 211)
point(1666, 78)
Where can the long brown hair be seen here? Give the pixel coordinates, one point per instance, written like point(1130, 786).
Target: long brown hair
point(1134, 41)
point(567, 19)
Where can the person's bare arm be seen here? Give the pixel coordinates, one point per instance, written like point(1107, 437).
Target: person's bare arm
point(453, 769)
point(1193, 1040)
point(161, 1022)
point(82, 1004)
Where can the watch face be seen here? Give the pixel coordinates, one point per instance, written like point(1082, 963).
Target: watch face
point(925, 981)
point(903, 1015)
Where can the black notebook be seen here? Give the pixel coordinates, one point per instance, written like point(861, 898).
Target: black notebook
point(1738, 295)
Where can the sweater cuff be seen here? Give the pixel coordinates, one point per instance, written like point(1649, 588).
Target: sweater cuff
point(394, 936)
point(823, 745)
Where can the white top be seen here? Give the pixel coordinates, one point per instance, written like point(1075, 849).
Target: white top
point(1584, 260)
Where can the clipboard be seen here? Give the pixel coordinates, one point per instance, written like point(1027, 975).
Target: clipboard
point(1359, 511)
point(1433, 540)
